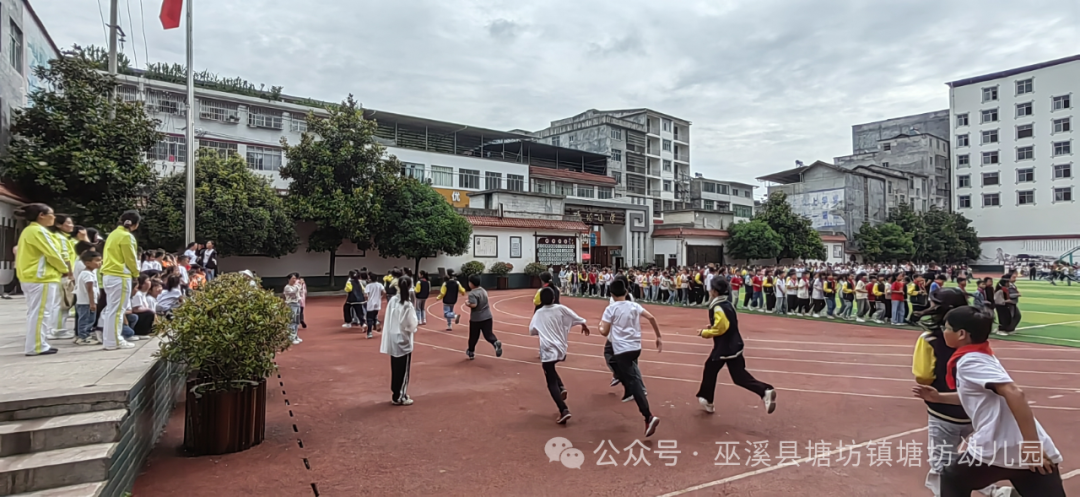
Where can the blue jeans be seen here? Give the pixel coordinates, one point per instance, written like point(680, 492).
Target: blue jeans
point(898, 311)
point(671, 297)
point(830, 304)
point(845, 309)
point(84, 320)
point(756, 300)
point(128, 330)
point(448, 313)
point(295, 323)
point(421, 311)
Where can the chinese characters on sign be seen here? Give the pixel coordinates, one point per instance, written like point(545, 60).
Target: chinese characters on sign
point(556, 250)
point(599, 217)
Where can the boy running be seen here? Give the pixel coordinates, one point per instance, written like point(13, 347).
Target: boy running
point(621, 323)
point(552, 323)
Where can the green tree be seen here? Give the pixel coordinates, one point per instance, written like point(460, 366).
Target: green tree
point(896, 243)
point(753, 240)
point(339, 176)
point(417, 223)
point(798, 238)
point(78, 148)
point(869, 240)
point(971, 248)
point(234, 207)
point(913, 224)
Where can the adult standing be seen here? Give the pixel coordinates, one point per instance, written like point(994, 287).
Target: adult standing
point(39, 267)
point(119, 265)
point(192, 251)
point(397, 340)
point(62, 231)
point(207, 258)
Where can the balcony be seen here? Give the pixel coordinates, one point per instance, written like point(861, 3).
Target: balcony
point(682, 156)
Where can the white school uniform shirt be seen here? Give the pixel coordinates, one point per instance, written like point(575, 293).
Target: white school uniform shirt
point(819, 290)
point(708, 280)
point(552, 323)
point(801, 290)
point(183, 275)
point(399, 328)
point(139, 300)
point(374, 292)
point(191, 255)
point(168, 300)
point(996, 440)
point(81, 297)
point(779, 287)
point(625, 331)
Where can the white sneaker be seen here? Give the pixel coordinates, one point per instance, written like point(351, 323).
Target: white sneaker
point(706, 405)
point(1005, 492)
point(770, 401)
point(123, 344)
point(814, 316)
point(65, 335)
point(831, 317)
point(296, 341)
point(347, 325)
point(860, 320)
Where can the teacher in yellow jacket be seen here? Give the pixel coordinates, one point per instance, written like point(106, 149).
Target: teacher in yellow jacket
point(40, 266)
point(120, 264)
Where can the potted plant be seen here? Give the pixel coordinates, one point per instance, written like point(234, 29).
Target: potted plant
point(533, 270)
point(500, 270)
point(225, 338)
point(470, 268)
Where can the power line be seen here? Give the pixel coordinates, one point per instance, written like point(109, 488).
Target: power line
point(131, 25)
point(101, 14)
point(142, 21)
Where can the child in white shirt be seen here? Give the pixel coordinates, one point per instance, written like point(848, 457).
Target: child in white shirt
point(621, 323)
point(374, 292)
point(552, 322)
point(86, 293)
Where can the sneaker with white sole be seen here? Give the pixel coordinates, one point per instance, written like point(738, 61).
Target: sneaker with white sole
point(1005, 492)
point(471, 354)
point(709, 408)
point(123, 344)
point(347, 325)
point(498, 348)
point(563, 417)
point(770, 400)
point(860, 320)
point(650, 426)
point(628, 398)
point(562, 394)
point(614, 381)
point(296, 342)
point(83, 341)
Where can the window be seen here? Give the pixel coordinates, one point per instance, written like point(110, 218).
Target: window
point(555, 141)
point(722, 189)
point(412, 170)
point(585, 191)
point(963, 201)
point(961, 120)
point(1063, 171)
point(890, 187)
point(735, 192)
point(128, 93)
point(1025, 175)
point(297, 122)
point(1025, 153)
point(216, 110)
point(708, 187)
point(1061, 102)
point(990, 116)
point(165, 102)
point(442, 176)
point(991, 179)
point(616, 155)
point(989, 94)
point(1062, 148)
point(963, 181)
point(259, 117)
point(990, 136)
point(15, 47)
point(743, 210)
point(1062, 125)
point(492, 181)
point(224, 149)
point(989, 158)
point(885, 164)
point(667, 145)
point(263, 158)
point(515, 182)
point(1025, 131)
point(667, 185)
point(963, 160)
point(1026, 197)
point(564, 189)
point(667, 166)
point(1063, 194)
point(887, 147)
point(616, 134)
point(170, 149)
point(1025, 86)
point(991, 199)
point(1023, 109)
point(604, 192)
point(709, 205)
point(748, 193)
point(469, 178)
point(572, 139)
point(961, 140)
point(667, 124)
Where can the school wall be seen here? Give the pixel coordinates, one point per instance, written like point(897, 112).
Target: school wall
point(8, 238)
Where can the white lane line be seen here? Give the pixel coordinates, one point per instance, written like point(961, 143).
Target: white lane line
point(1056, 396)
point(786, 464)
point(1070, 474)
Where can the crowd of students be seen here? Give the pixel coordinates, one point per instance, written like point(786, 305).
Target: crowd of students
point(116, 292)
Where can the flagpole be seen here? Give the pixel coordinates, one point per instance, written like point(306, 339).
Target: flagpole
point(189, 211)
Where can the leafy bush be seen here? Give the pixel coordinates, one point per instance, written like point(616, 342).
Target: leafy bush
point(501, 268)
point(534, 269)
point(227, 333)
point(472, 267)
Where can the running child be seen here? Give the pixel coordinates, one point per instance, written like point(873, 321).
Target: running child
point(621, 323)
point(727, 349)
point(422, 291)
point(545, 282)
point(480, 319)
point(552, 323)
point(355, 301)
point(448, 294)
point(374, 292)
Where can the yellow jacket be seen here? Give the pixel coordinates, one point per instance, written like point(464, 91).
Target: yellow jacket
point(120, 257)
point(72, 256)
point(923, 360)
point(720, 324)
point(39, 259)
point(442, 291)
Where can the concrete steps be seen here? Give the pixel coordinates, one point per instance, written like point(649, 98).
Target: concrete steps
point(81, 490)
point(60, 432)
point(52, 469)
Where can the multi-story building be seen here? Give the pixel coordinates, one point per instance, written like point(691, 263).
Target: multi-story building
point(648, 152)
point(914, 145)
point(1013, 145)
point(724, 196)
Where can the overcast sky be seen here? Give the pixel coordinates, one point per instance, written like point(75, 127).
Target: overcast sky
point(764, 82)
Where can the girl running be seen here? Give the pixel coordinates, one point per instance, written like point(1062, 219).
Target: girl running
point(552, 323)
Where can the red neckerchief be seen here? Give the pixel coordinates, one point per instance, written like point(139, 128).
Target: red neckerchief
point(980, 348)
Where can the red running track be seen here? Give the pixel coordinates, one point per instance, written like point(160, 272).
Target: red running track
point(480, 427)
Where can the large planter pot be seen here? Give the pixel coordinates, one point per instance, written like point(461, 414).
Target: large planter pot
point(534, 282)
point(502, 282)
point(224, 422)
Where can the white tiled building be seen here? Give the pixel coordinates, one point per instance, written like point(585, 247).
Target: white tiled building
point(1014, 149)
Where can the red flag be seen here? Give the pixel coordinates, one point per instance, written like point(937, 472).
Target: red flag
point(170, 13)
